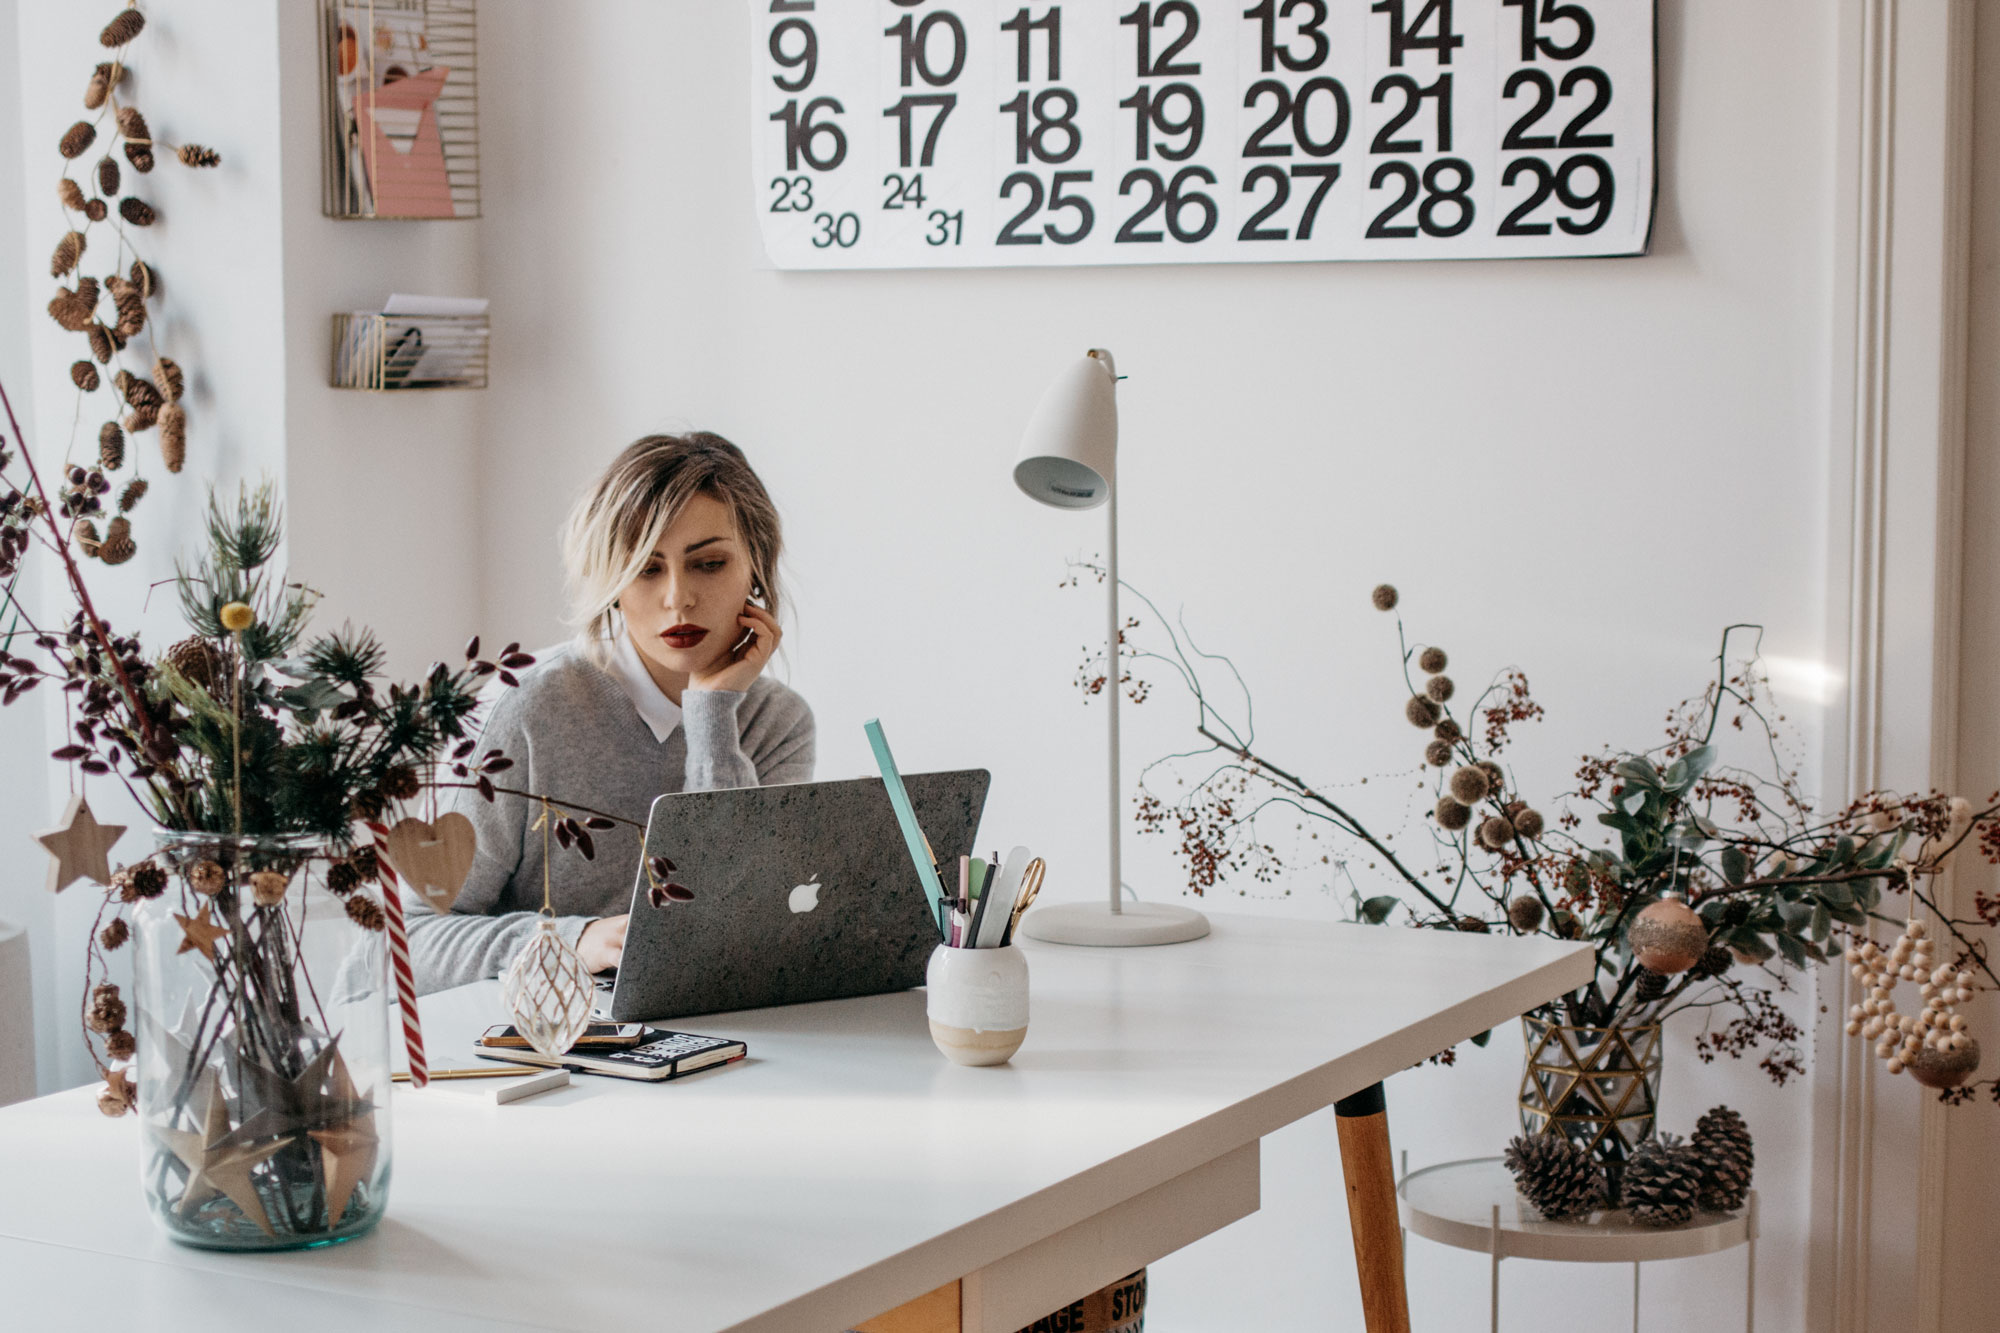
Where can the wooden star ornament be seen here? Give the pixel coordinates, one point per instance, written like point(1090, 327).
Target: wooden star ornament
point(199, 932)
point(216, 1163)
point(347, 1154)
point(81, 847)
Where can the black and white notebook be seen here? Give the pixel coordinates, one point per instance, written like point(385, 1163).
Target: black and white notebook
point(662, 1056)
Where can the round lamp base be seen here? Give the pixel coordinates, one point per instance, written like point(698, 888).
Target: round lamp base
point(1096, 924)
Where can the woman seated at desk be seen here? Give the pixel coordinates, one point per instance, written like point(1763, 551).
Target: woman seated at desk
point(672, 560)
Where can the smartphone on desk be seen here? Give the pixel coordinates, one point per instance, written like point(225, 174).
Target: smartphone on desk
point(596, 1037)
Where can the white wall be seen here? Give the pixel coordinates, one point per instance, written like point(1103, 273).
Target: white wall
point(1582, 468)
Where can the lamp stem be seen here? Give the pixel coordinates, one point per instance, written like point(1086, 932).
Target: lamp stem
point(1115, 809)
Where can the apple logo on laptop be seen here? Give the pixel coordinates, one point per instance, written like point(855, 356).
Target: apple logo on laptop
point(805, 897)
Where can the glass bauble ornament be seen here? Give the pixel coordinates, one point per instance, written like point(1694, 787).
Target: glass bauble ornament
point(549, 992)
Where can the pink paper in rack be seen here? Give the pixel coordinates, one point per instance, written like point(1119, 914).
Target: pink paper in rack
point(408, 182)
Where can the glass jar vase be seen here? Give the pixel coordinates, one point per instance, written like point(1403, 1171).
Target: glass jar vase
point(1597, 1086)
point(263, 1047)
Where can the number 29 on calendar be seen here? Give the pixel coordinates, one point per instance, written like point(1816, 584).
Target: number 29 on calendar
point(958, 133)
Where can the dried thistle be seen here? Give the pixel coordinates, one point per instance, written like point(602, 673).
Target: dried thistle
point(1448, 732)
point(137, 211)
point(108, 176)
point(1525, 914)
point(111, 446)
point(133, 126)
point(77, 139)
point(1528, 823)
point(123, 28)
point(1384, 597)
point(1421, 711)
point(102, 80)
point(167, 379)
point(173, 436)
point(135, 491)
point(195, 155)
point(84, 375)
point(1470, 785)
point(1432, 660)
point(75, 308)
point(1451, 815)
point(1437, 754)
point(118, 545)
point(1438, 689)
point(71, 194)
point(1496, 834)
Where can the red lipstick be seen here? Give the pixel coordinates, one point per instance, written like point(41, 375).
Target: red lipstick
point(683, 636)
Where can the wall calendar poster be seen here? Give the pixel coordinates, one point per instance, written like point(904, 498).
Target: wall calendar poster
point(962, 133)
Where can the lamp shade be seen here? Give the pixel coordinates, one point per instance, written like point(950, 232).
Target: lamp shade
point(1069, 451)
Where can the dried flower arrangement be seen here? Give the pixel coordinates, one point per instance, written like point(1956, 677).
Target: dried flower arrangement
point(150, 397)
point(1685, 911)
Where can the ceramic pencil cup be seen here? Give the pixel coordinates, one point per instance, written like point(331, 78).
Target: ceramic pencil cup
point(978, 1003)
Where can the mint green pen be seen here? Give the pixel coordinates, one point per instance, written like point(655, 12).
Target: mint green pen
point(899, 799)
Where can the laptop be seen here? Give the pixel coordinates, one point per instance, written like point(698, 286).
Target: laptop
point(801, 892)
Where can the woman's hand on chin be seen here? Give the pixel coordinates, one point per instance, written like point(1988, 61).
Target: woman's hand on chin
point(737, 670)
point(602, 943)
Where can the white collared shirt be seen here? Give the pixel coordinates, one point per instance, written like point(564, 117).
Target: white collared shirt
point(660, 713)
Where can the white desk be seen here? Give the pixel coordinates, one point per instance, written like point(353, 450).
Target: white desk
point(843, 1170)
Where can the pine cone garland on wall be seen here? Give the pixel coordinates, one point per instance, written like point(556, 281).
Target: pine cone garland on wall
point(173, 436)
point(118, 545)
point(1662, 1182)
point(101, 345)
point(140, 155)
point(75, 308)
point(167, 379)
point(102, 80)
point(141, 419)
point(95, 210)
point(123, 28)
point(133, 125)
point(85, 535)
point(84, 375)
point(77, 139)
point(1554, 1175)
point(135, 491)
point(195, 155)
point(111, 446)
point(108, 176)
point(71, 194)
point(137, 211)
point(1728, 1159)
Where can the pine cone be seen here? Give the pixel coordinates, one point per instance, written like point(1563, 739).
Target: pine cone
point(102, 345)
point(1722, 1143)
point(173, 436)
point(123, 28)
point(102, 80)
point(197, 661)
point(111, 446)
point(365, 863)
point(1714, 962)
point(135, 491)
point(107, 1011)
point(84, 376)
point(137, 211)
point(1651, 986)
point(119, 1045)
point(71, 194)
point(140, 155)
point(366, 913)
point(1662, 1181)
point(131, 313)
point(137, 392)
point(195, 155)
point(141, 419)
point(400, 783)
point(77, 139)
point(142, 882)
point(86, 537)
point(144, 277)
point(1554, 1175)
point(75, 308)
point(68, 250)
point(133, 126)
point(167, 379)
point(114, 935)
point(95, 210)
point(341, 879)
point(108, 177)
point(118, 545)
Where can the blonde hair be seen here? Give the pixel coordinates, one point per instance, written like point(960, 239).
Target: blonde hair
point(614, 528)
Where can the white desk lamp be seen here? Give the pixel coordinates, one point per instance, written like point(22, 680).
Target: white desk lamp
point(1069, 460)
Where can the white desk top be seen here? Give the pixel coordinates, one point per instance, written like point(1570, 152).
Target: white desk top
point(844, 1168)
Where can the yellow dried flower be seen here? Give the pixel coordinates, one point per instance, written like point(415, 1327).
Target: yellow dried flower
point(237, 617)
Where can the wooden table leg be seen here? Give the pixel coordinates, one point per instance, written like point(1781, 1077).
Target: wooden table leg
point(1363, 1120)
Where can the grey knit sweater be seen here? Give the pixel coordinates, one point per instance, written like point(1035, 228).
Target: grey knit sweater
point(574, 735)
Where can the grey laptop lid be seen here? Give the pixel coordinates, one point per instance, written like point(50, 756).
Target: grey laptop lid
point(802, 892)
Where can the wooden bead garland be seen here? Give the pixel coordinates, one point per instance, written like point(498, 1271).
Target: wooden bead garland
point(1934, 1044)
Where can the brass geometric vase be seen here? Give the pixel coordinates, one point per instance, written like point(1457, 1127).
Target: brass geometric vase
point(1597, 1086)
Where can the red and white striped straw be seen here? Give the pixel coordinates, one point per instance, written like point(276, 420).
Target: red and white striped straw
point(399, 960)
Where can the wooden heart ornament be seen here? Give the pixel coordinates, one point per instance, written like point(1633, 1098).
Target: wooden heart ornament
point(434, 859)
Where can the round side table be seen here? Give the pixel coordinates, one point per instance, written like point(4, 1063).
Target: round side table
point(1473, 1205)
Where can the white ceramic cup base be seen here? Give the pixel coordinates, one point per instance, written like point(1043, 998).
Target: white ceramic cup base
point(1096, 924)
point(977, 1001)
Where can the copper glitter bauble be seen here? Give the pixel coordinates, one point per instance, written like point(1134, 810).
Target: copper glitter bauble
point(1935, 1068)
point(1667, 937)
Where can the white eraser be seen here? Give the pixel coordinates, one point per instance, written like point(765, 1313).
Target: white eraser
point(514, 1089)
